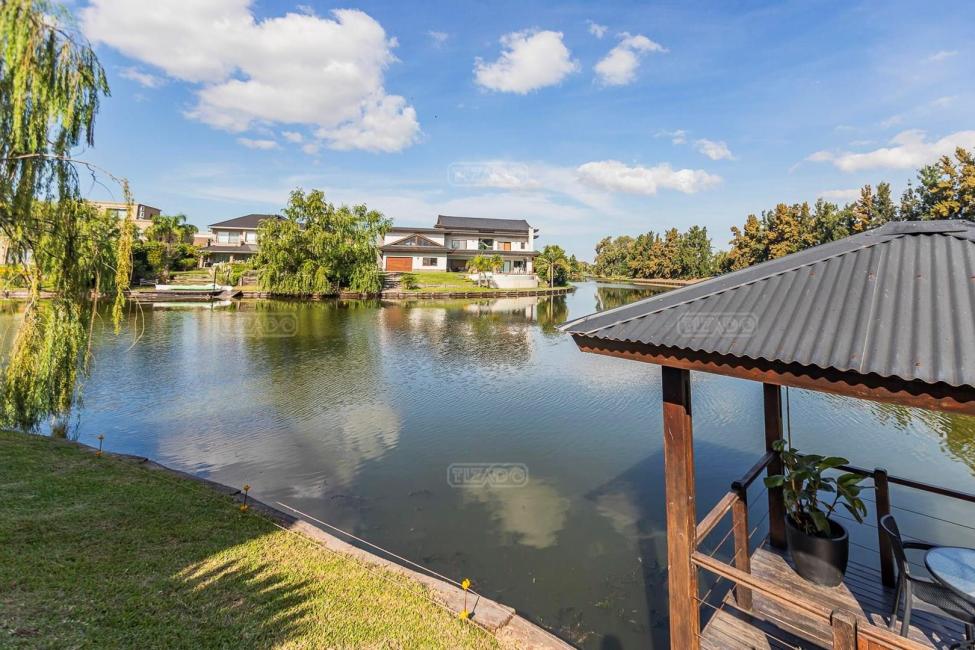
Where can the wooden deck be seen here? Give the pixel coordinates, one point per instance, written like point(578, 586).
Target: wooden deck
point(769, 625)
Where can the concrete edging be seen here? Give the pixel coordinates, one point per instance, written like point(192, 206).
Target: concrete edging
point(500, 620)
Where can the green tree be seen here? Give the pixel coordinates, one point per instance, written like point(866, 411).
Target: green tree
point(168, 245)
point(749, 245)
point(829, 223)
point(696, 255)
point(496, 262)
point(479, 264)
point(50, 86)
point(884, 210)
point(788, 228)
point(861, 211)
point(320, 249)
point(553, 265)
point(910, 207)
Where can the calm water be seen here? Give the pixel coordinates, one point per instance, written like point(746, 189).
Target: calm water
point(357, 416)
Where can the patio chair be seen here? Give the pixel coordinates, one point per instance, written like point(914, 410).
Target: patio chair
point(911, 586)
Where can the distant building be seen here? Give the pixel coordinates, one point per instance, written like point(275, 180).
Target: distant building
point(453, 241)
point(142, 214)
point(234, 240)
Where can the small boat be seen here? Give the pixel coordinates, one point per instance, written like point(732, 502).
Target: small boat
point(186, 293)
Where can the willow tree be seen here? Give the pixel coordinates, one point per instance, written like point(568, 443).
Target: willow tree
point(50, 86)
point(320, 249)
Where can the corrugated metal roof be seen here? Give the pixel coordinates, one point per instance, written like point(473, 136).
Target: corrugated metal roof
point(477, 223)
point(898, 301)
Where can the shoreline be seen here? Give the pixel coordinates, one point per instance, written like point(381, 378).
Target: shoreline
point(501, 621)
point(20, 294)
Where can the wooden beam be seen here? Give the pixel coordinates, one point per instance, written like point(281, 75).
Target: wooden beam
point(934, 397)
point(844, 625)
point(681, 513)
point(772, 395)
point(739, 518)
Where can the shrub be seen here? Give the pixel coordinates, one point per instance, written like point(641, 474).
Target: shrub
point(409, 281)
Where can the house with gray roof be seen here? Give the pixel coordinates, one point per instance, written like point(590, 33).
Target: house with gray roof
point(234, 240)
point(453, 241)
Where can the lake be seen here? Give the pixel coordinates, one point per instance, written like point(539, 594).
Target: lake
point(353, 412)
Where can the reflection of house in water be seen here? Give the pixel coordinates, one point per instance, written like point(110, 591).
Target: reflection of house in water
point(461, 333)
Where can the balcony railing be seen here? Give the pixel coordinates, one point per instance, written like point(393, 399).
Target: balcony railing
point(791, 605)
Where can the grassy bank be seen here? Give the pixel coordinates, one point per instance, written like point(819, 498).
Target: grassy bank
point(446, 282)
point(98, 552)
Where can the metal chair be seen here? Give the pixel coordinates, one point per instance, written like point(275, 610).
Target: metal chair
point(910, 587)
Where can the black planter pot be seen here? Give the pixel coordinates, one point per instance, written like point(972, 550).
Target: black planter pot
point(819, 560)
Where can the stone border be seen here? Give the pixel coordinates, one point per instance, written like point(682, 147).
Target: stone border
point(502, 621)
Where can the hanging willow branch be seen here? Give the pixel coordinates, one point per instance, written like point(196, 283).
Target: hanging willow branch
point(50, 86)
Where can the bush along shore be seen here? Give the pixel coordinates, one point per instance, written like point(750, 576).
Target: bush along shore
point(104, 550)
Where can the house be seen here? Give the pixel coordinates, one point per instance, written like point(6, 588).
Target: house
point(141, 213)
point(234, 240)
point(454, 241)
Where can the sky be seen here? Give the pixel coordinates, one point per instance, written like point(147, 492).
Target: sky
point(588, 120)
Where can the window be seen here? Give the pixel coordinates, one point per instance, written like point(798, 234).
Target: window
point(521, 245)
point(429, 261)
point(458, 243)
point(251, 236)
point(223, 236)
point(485, 244)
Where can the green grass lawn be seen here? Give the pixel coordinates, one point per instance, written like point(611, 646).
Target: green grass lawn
point(441, 281)
point(100, 552)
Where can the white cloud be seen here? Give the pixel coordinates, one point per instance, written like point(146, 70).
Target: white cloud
point(841, 195)
point(944, 102)
point(141, 77)
point(619, 67)
point(530, 60)
point(908, 150)
point(295, 69)
point(941, 55)
point(258, 144)
point(293, 137)
point(438, 38)
point(615, 176)
point(715, 150)
point(596, 29)
point(678, 136)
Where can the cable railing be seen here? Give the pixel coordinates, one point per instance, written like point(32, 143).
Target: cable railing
point(847, 629)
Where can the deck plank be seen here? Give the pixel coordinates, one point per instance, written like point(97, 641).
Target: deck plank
point(770, 625)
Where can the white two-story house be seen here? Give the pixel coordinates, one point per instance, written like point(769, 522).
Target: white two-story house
point(453, 241)
point(234, 240)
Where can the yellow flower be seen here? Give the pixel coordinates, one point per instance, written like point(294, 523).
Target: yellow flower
point(465, 614)
point(247, 488)
point(244, 507)
point(466, 584)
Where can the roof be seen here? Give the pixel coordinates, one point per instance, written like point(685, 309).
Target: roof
point(246, 221)
point(897, 301)
point(475, 223)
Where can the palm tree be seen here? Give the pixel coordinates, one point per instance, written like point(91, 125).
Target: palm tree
point(496, 263)
point(550, 261)
point(478, 264)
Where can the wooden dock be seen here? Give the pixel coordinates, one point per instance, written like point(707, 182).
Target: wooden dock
point(769, 625)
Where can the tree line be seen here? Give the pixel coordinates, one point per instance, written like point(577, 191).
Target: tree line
point(943, 190)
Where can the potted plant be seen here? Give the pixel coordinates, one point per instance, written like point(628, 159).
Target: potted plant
point(818, 544)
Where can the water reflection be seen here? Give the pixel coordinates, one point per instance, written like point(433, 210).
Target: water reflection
point(356, 415)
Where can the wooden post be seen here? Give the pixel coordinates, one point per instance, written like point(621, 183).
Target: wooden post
point(773, 432)
point(844, 626)
point(883, 508)
point(739, 523)
point(685, 623)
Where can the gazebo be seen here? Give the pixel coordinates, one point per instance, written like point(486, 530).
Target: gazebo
point(886, 315)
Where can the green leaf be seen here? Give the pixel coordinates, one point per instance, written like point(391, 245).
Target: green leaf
point(774, 481)
point(822, 523)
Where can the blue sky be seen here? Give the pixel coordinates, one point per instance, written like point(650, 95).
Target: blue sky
point(587, 120)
